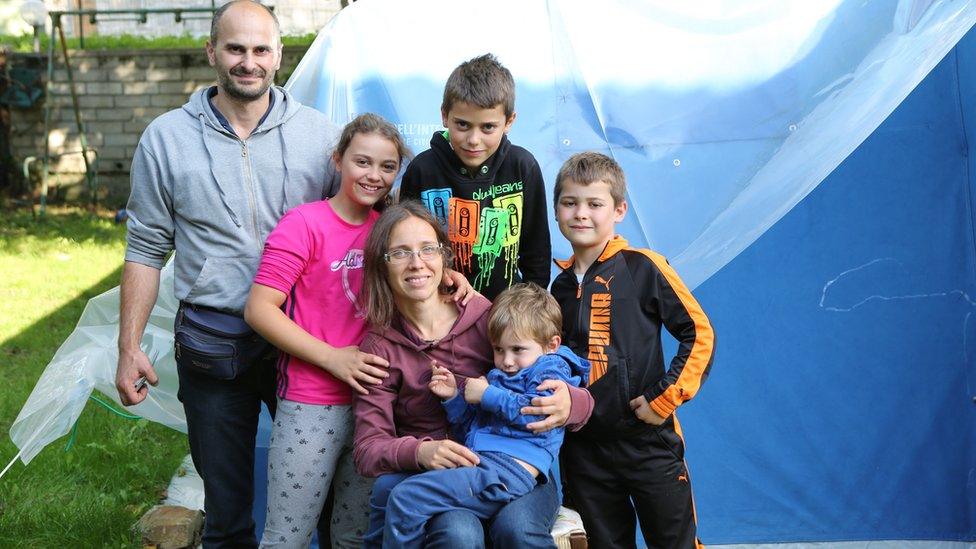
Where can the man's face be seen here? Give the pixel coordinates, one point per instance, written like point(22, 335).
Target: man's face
point(247, 53)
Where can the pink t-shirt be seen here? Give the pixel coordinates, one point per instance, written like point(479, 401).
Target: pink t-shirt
point(316, 259)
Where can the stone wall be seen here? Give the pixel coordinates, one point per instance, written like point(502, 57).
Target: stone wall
point(119, 93)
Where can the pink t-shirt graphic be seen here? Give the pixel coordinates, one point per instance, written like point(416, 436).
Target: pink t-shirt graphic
point(316, 259)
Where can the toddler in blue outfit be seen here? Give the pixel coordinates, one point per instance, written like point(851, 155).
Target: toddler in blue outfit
point(524, 327)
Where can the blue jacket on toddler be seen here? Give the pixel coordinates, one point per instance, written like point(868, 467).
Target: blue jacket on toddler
point(498, 425)
point(495, 429)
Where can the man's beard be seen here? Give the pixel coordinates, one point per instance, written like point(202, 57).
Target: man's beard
point(245, 94)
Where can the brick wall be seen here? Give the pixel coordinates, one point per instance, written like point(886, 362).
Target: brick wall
point(295, 16)
point(119, 93)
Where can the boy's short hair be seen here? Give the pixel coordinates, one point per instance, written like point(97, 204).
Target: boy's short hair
point(481, 81)
point(528, 311)
point(588, 167)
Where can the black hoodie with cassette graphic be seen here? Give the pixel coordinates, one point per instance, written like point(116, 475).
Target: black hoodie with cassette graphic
point(496, 218)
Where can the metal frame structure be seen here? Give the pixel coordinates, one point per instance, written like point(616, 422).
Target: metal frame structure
point(57, 32)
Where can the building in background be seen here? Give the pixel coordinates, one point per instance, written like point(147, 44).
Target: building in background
point(296, 16)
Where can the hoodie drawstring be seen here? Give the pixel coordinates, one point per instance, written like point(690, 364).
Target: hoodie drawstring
point(213, 171)
point(285, 186)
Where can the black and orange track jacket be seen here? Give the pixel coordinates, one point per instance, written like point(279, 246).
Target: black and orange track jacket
point(614, 318)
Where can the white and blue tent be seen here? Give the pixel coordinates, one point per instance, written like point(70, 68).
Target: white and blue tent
point(839, 272)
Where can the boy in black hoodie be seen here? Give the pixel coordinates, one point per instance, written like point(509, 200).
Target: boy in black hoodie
point(486, 192)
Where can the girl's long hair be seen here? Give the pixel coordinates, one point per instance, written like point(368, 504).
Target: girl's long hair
point(369, 123)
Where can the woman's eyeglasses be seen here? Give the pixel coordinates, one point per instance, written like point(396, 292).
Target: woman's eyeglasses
point(401, 255)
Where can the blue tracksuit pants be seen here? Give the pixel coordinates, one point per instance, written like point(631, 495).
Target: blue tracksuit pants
point(482, 490)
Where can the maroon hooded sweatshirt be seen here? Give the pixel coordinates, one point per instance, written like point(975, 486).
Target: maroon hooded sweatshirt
point(401, 412)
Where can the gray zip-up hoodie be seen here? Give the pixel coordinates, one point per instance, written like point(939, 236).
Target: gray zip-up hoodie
point(200, 190)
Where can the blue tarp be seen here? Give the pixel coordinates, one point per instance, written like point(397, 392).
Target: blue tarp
point(839, 406)
point(841, 403)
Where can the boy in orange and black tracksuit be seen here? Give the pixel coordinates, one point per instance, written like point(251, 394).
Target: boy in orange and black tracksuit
point(629, 458)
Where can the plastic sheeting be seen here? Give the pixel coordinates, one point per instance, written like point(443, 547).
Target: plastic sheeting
point(840, 405)
point(825, 419)
point(723, 114)
point(87, 360)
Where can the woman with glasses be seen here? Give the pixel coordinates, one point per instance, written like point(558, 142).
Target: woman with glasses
point(401, 427)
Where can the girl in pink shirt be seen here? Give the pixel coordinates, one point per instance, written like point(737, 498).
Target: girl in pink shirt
point(305, 301)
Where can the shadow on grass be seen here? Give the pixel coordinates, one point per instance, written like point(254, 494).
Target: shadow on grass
point(34, 346)
point(20, 229)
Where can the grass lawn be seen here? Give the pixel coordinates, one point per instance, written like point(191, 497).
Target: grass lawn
point(91, 495)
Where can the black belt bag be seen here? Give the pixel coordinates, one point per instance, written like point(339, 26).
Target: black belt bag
point(215, 343)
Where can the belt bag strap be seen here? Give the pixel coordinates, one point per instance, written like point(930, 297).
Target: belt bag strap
point(216, 322)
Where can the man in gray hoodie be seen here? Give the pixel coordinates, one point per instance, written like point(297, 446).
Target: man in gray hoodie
point(210, 181)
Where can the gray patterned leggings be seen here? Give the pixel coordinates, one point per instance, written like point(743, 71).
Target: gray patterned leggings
point(311, 449)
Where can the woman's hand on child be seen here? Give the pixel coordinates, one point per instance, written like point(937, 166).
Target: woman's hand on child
point(463, 292)
point(442, 382)
point(644, 412)
point(356, 368)
point(555, 407)
point(474, 389)
point(445, 454)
